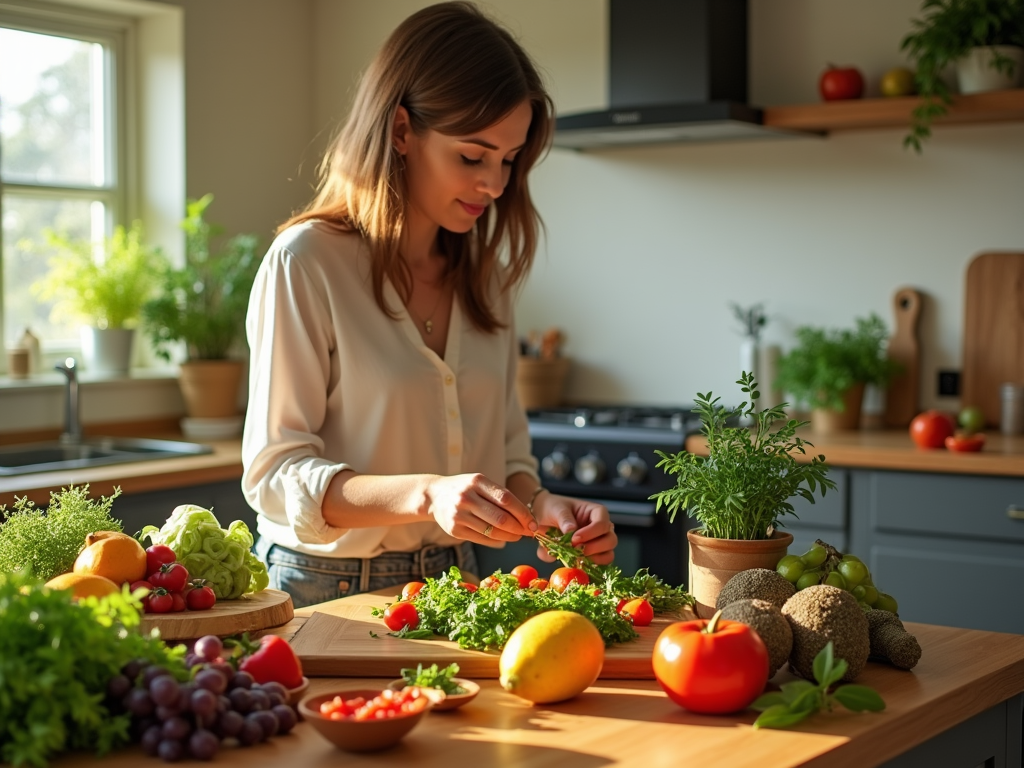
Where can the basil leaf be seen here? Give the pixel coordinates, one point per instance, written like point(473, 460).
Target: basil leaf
point(794, 690)
point(767, 700)
point(837, 673)
point(823, 663)
point(780, 716)
point(859, 698)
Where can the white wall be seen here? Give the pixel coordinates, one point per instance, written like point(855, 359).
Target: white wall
point(647, 246)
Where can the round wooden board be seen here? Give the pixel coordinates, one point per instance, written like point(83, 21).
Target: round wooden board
point(262, 610)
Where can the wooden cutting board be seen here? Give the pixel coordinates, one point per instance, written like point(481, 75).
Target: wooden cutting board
point(901, 399)
point(993, 330)
point(336, 642)
point(262, 610)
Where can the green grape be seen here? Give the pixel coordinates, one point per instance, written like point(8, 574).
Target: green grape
point(853, 572)
point(886, 603)
point(809, 579)
point(867, 582)
point(791, 571)
point(870, 593)
point(789, 559)
point(835, 579)
point(855, 559)
point(814, 556)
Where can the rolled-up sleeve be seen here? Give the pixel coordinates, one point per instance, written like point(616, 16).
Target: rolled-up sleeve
point(289, 330)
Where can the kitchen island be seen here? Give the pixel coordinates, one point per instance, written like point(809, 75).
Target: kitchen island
point(961, 707)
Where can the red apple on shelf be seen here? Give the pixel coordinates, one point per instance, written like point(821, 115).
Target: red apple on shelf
point(931, 428)
point(839, 83)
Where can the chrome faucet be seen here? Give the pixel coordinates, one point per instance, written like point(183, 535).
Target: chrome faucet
point(72, 415)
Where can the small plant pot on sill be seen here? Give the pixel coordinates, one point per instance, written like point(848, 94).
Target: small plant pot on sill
point(825, 421)
point(714, 561)
point(107, 351)
point(210, 387)
point(975, 73)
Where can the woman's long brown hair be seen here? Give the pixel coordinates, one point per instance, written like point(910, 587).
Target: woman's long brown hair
point(456, 72)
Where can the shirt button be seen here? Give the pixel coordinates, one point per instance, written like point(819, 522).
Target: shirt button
point(454, 450)
point(449, 379)
point(453, 413)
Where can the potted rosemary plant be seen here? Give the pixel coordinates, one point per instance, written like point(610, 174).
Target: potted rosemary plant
point(740, 491)
point(104, 289)
point(203, 305)
point(982, 39)
point(828, 370)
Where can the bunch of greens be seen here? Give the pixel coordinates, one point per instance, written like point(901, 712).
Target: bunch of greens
point(825, 364)
point(663, 597)
point(800, 699)
point(45, 544)
point(743, 486)
point(56, 658)
point(223, 557)
point(434, 677)
point(485, 619)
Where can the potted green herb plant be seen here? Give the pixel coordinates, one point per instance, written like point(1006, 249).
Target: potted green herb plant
point(982, 39)
point(104, 289)
point(203, 305)
point(828, 370)
point(740, 491)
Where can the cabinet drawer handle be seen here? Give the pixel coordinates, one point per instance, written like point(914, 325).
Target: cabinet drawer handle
point(1014, 512)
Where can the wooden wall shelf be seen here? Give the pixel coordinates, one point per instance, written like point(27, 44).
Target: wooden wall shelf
point(856, 114)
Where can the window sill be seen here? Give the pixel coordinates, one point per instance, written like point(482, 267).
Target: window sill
point(136, 378)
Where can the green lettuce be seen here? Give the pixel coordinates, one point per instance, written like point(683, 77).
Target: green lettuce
point(223, 557)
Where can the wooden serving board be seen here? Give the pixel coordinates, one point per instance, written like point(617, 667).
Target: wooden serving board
point(993, 330)
point(262, 610)
point(336, 642)
point(901, 402)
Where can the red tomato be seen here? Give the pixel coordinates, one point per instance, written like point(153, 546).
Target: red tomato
point(410, 590)
point(491, 582)
point(540, 584)
point(157, 555)
point(965, 443)
point(467, 586)
point(639, 611)
point(171, 576)
point(622, 603)
point(838, 83)
point(712, 667)
point(399, 615)
point(271, 658)
point(563, 577)
point(159, 601)
point(524, 574)
point(178, 603)
point(931, 428)
point(141, 584)
point(199, 596)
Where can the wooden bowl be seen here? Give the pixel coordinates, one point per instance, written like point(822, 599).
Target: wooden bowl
point(451, 700)
point(295, 694)
point(360, 735)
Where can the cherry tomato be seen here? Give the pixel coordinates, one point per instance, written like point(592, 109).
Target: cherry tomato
point(410, 590)
point(386, 705)
point(712, 667)
point(540, 584)
point(467, 586)
point(524, 574)
point(159, 601)
point(639, 612)
point(141, 584)
point(965, 443)
point(158, 555)
point(931, 428)
point(622, 602)
point(171, 576)
point(178, 602)
point(200, 597)
point(402, 614)
point(563, 577)
point(491, 582)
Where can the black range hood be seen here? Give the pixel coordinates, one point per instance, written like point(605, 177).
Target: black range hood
point(678, 72)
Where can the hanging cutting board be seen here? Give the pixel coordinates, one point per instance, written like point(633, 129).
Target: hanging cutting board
point(993, 330)
point(249, 613)
point(901, 399)
point(336, 641)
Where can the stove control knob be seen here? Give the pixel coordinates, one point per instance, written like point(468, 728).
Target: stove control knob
point(632, 469)
point(556, 465)
point(589, 469)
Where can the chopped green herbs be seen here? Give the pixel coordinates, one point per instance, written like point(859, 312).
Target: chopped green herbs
point(434, 677)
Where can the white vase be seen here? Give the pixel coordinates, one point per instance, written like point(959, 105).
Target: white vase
point(768, 370)
point(975, 73)
point(107, 351)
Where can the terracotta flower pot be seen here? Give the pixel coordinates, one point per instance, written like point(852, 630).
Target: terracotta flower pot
point(714, 561)
point(825, 421)
point(210, 387)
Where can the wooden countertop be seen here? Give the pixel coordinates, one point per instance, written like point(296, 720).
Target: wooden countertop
point(893, 449)
point(632, 723)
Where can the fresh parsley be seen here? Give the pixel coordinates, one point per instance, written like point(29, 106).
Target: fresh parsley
point(434, 677)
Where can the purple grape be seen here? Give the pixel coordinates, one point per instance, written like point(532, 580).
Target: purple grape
point(203, 745)
point(139, 702)
point(212, 680)
point(204, 703)
point(177, 728)
point(230, 723)
point(209, 647)
point(166, 713)
point(286, 717)
point(224, 668)
point(192, 660)
point(268, 721)
point(241, 679)
point(251, 733)
point(151, 738)
point(241, 700)
point(276, 698)
point(185, 696)
point(140, 726)
point(164, 689)
point(151, 672)
point(170, 751)
point(260, 699)
point(273, 686)
point(133, 668)
point(118, 686)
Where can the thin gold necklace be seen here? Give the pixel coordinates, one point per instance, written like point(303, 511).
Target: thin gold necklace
point(428, 324)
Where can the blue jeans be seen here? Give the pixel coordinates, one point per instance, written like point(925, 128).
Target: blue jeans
point(311, 579)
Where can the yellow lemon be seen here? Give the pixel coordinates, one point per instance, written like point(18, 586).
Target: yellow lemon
point(552, 656)
point(897, 82)
point(83, 585)
point(115, 556)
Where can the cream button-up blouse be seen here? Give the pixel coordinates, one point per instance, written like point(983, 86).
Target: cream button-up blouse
point(336, 384)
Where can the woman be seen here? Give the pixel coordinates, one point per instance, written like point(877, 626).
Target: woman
point(383, 432)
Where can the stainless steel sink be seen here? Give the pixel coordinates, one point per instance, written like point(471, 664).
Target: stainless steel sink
point(92, 452)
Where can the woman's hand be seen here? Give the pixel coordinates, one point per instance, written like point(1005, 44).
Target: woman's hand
point(474, 508)
point(593, 529)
